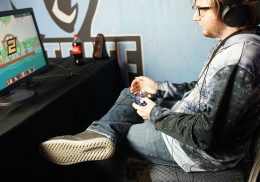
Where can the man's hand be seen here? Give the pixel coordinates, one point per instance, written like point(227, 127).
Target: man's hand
point(143, 83)
point(144, 111)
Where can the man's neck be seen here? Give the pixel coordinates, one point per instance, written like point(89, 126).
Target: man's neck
point(228, 31)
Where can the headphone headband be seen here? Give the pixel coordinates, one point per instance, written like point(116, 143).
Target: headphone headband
point(228, 2)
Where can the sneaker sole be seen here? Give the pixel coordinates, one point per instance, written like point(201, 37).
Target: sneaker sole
point(66, 152)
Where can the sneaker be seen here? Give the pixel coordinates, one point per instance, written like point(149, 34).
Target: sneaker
point(85, 146)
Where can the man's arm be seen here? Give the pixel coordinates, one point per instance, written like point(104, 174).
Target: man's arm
point(167, 90)
point(234, 91)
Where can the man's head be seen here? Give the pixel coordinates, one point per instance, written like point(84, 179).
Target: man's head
point(218, 18)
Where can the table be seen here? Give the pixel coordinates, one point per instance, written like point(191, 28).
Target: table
point(65, 104)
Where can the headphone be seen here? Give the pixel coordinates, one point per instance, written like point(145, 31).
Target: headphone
point(234, 14)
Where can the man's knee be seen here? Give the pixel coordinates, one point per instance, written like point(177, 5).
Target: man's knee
point(125, 91)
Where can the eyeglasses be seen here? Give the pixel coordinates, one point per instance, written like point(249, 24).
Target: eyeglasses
point(201, 10)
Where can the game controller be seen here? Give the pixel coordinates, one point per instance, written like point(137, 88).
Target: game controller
point(138, 98)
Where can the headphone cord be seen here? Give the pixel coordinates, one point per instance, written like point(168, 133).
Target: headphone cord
point(208, 63)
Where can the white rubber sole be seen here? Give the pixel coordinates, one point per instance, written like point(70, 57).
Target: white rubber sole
point(66, 152)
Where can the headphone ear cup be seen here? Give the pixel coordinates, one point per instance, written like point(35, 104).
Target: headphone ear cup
point(235, 15)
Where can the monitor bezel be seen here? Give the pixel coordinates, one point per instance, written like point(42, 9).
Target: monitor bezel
point(11, 87)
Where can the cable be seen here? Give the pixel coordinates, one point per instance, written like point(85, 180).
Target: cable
point(61, 66)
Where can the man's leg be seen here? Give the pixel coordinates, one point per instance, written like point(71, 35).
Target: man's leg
point(148, 143)
point(98, 141)
point(121, 116)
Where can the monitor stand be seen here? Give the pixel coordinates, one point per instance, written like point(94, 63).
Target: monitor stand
point(15, 96)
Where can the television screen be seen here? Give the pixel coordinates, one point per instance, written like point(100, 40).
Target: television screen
point(21, 53)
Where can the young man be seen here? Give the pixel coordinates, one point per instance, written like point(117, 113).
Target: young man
point(210, 126)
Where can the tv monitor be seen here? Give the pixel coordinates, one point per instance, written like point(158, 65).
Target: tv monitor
point(21, 54)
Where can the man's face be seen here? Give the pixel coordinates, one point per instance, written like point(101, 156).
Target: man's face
point(207, 18)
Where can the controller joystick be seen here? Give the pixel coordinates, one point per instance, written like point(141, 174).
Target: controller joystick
point(138, 98)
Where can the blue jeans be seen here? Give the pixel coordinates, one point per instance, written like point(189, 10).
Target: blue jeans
point(122, 121)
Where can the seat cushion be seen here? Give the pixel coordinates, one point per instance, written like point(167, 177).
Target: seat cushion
point(162, 173)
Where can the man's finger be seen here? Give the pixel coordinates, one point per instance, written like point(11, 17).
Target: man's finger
point(136, 106)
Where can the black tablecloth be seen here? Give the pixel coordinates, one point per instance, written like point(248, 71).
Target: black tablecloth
point(63, 105)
